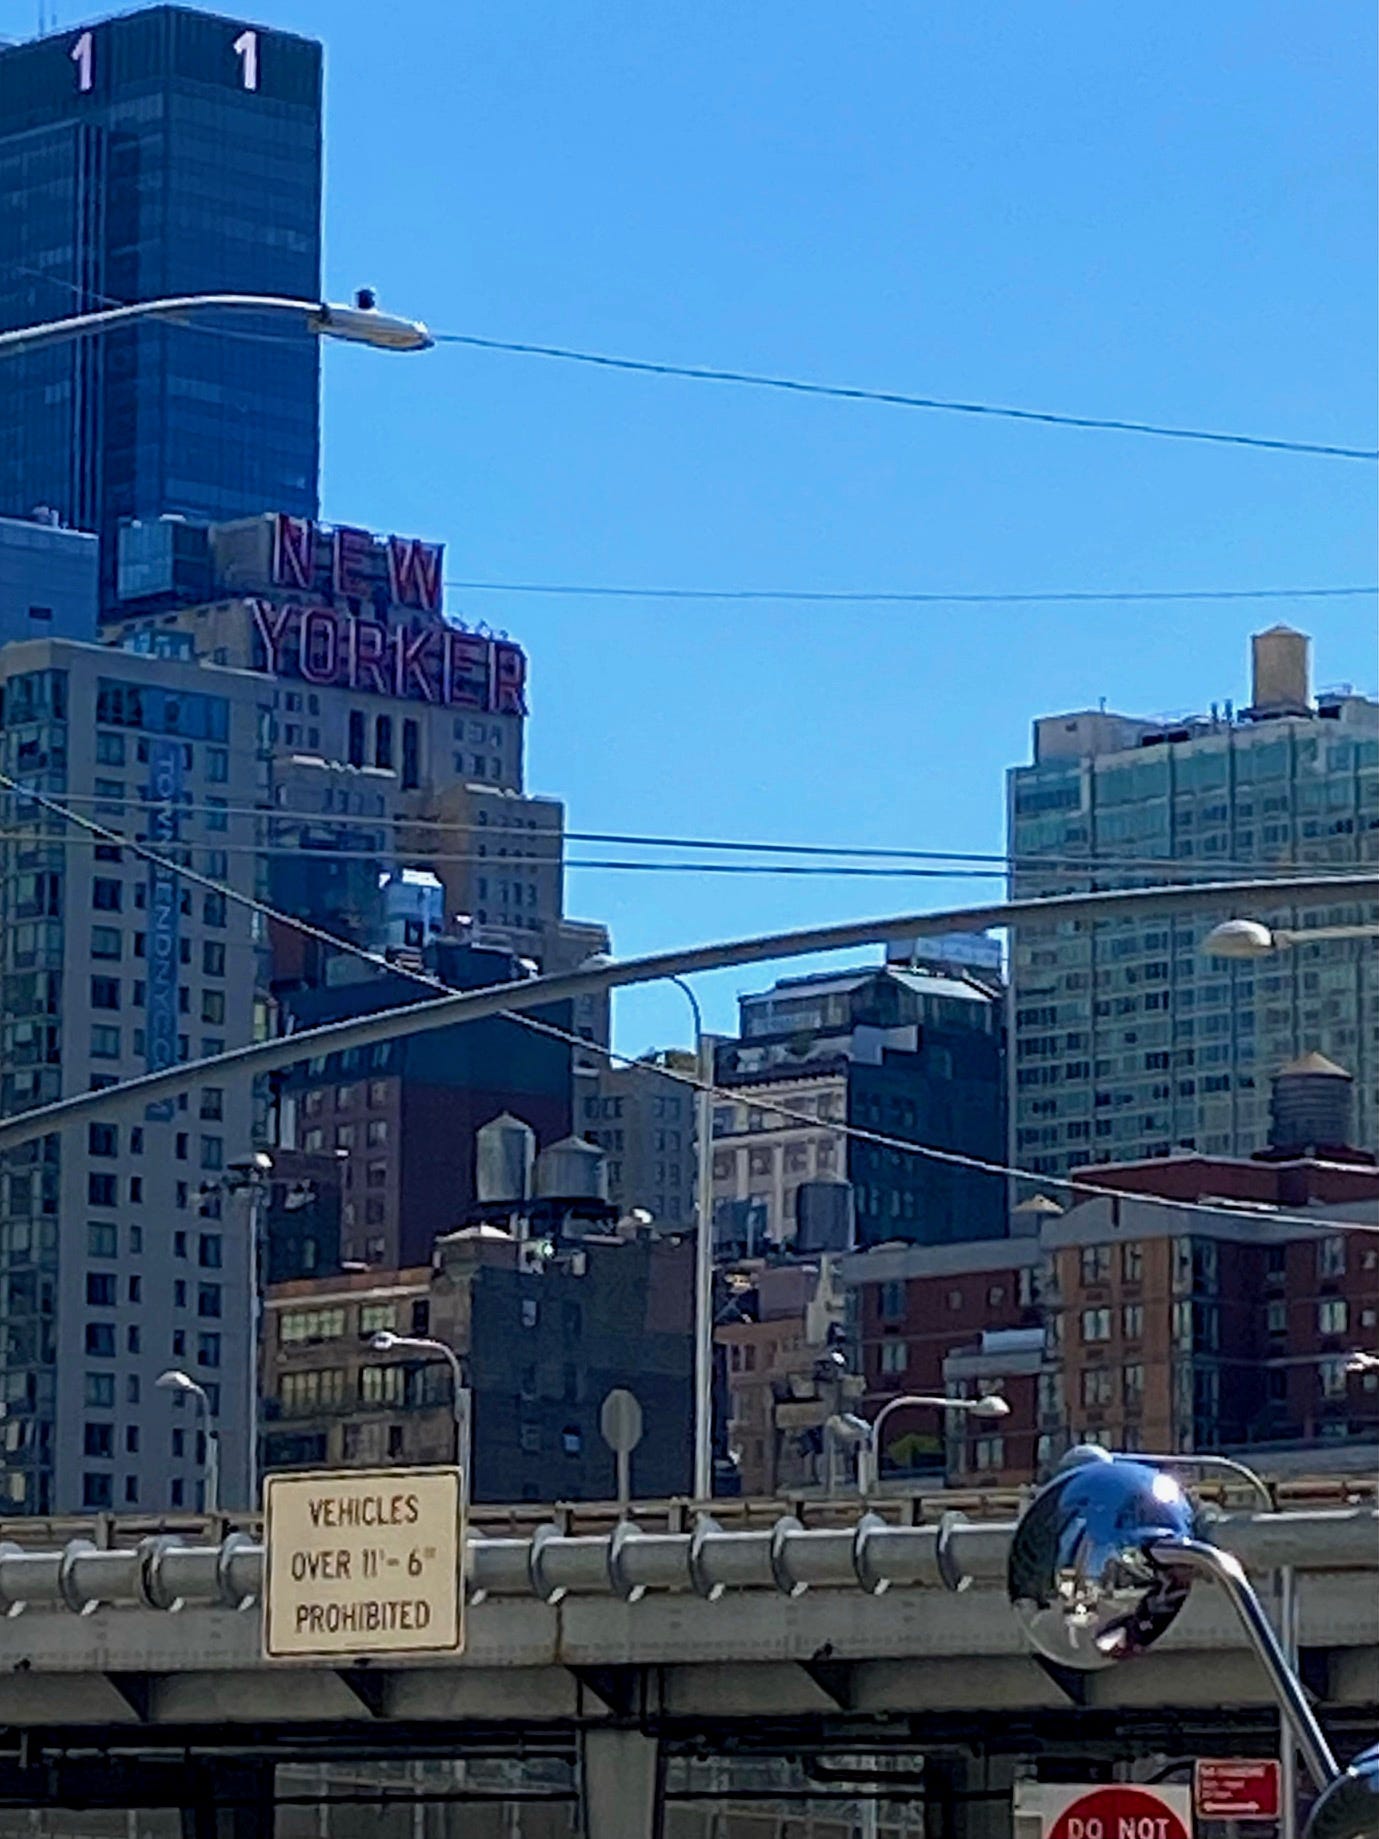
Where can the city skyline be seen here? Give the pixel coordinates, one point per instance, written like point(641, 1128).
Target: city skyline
point(1166, 258)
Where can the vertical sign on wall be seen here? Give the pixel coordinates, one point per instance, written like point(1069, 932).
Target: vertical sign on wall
point(164, 794)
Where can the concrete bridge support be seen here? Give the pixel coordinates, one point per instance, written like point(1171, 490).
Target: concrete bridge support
point(620, 1784)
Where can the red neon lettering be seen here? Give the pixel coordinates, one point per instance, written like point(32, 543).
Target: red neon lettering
point(271, 627)
point(509, 679)
point(414, 573)
point(410, 675)
point(353, 550)
point(468, 659)
point(319, 646)
point(293, 542)
point(368, 644)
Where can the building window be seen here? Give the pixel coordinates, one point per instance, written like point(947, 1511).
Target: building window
point(106, 942)
point(989, 1453)
point(1132, 1383)
point(1096, 1324)
point(100, 1340)
point(1331, 1256)
point(383, 742)
point(1277, 1317)
point(411, 756)
point(100, 1391)
point(1132, 1321)
point(105, 1043)
point(101, 1190)
point(107, 896)
point(208, 1350)
point(1132, 1261)
point(382, 1385)
point(96, 1490)
point(98, 1440)
point(100, 1289)
point(892, 1300)
point(1332, 1377)
point(101, 1239)
point(1332, 1316)
point(1096, 1263)
point(895, 1357)
point(1096, 1386)
point(355, 743)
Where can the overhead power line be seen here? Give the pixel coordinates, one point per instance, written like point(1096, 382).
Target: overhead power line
point(947, 405)
point(954, 1158)
point(524, 847)
point(904, 597)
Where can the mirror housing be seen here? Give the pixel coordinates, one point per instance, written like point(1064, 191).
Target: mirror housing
point(1349, 1808)
point(1083, 1581)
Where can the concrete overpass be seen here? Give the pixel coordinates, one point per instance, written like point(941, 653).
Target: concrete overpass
point(136, 1670)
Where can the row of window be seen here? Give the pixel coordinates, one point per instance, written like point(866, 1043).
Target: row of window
point(378, 1094)
point(100, 1343)
point(107, 993)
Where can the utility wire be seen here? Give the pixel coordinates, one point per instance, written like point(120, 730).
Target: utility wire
point(506, 839)
point(519, 864)
point(900, 399)
point(887, 597)
point(798, 386)
point(854, 1132)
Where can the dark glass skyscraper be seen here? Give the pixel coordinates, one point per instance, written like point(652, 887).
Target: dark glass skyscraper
point(166, 152)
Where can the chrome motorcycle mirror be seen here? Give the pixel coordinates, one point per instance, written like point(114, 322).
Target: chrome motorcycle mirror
point(1103, 1560)
point(1349, 1809)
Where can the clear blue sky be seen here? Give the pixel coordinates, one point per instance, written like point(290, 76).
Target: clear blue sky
point(1163, 212)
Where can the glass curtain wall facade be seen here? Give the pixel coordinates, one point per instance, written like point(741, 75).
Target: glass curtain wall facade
point(1127, 1040)
point(164, 153)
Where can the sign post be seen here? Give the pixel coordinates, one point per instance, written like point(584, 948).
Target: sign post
point(363, 1562)
point(1236, 1789)
point(1112, 1810)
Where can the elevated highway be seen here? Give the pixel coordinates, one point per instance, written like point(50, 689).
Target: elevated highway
point(622, 1648)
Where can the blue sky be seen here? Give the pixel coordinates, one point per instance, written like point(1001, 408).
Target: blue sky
point(1158, 212)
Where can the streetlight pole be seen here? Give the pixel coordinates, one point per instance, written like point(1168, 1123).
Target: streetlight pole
point(703, 1254)
point(360, 324)
point(989, 1405)
point(260, 1057)
point(250, 1177)
point(461, 1396)
point(175, 1380)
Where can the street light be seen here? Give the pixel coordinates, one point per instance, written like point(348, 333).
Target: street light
point(175, 1380)
point(1247, 938)
point(360, 324)
point(461, 1399)
point(703, 1254)
point(989, 1405)
point(249, 1176)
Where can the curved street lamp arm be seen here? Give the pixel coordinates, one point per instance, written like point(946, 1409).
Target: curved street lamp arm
point(1225, 1569)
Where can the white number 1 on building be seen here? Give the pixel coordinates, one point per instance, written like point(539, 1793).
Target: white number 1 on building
point(247, 51)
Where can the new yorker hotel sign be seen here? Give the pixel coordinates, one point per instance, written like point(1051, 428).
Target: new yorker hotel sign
point(359, 612)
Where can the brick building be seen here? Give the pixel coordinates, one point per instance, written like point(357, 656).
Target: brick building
point(952, 1320)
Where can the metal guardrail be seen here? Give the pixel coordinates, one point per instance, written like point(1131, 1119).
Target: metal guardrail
point(164, 1572)
point(120, 1532)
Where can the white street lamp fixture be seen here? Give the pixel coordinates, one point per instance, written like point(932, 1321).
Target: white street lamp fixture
point(360, 324)
point(175, 1380)
point(1247, 938)
point(461, 1398)
point(988, 1405)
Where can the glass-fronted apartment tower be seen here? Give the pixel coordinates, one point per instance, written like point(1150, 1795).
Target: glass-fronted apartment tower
point(167, 152)
point(1128, 1040)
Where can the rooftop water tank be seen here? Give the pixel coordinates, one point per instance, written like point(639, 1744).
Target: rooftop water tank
point(505, 1150)
point(1310, 1106)
point(571, 1170)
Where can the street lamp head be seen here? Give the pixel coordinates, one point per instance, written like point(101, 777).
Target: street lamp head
point(364, 324)
point(990, 1405)
point(385, 1341)
point(1240, 938)
point(175, 1380)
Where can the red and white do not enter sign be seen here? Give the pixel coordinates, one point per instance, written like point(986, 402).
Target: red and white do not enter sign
point(1122, 1812)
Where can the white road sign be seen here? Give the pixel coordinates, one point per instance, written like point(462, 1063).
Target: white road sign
point(363, 1561)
